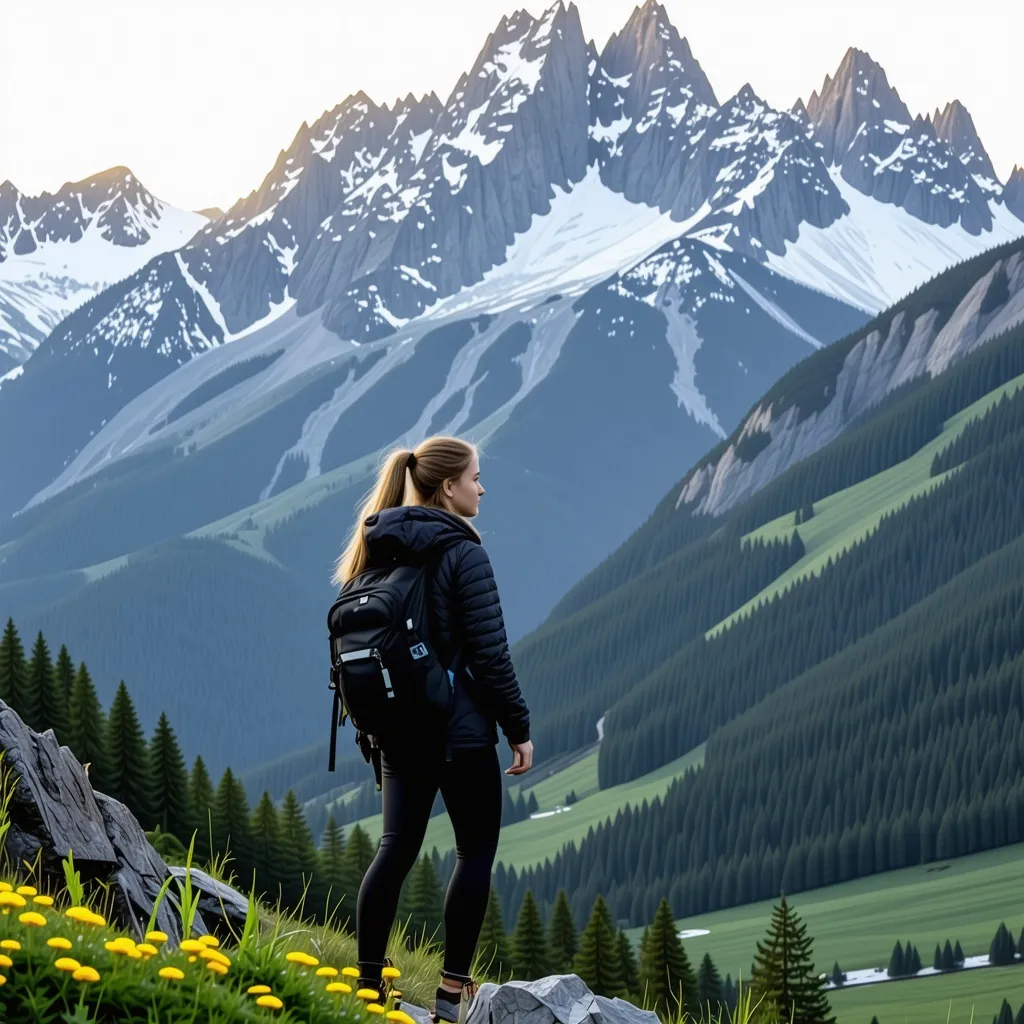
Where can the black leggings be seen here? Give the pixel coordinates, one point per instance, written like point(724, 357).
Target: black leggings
point(470, 784)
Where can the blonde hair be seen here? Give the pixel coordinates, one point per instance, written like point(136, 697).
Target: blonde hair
point(435, 460)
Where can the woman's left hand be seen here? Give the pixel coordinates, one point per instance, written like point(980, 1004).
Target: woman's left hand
point(522, 758)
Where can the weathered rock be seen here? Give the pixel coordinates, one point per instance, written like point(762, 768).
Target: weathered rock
point(558, 999)
point(54, 810)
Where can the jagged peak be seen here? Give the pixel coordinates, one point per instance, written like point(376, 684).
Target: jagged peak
point(745, 98)
point(859, 71)
point(799, 110)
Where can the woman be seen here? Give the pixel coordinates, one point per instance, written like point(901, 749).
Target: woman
point(423, 500)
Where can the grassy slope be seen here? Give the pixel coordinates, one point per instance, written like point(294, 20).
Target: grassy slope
point(843, 518)
point(529, 842)
point(858, 922)
point(961, 998)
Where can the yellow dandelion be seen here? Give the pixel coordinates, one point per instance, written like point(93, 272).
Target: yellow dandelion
point(43, 901)
point(6, 887)
point(192, 959)
point(217, 967)
point(374, 1008)
point(32, 918)
point(339, 986)
point(209, 940)
point(85, 916)
point(270, 1002)
point(305, 959)
point(215, 956)
point(171, 973)
point(258, 990)
point(327, 972)
point(27, 890)
point(11, 899)
point(5, 960)
point(59, 942)
point(157, 937)
point(400, 1017)
point(146, 949)
point(391, 973)
point(89, 974)
point(65, 963)
point(350, 972)
point(123, 945)
point(190, 946)
point(368, 993)
point(10, 944)
point(3, 980)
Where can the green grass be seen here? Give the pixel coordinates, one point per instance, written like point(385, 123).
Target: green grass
point(848, 516)
point(529, 842)
point(551, 792)
point(858, 922)
point(933, 998)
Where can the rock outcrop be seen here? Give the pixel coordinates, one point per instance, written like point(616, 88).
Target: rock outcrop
point(54, 810)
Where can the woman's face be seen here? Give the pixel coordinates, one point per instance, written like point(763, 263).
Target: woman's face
point(462, 493)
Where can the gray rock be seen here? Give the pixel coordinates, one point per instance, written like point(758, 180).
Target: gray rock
point(558, 999)
point(222, 907)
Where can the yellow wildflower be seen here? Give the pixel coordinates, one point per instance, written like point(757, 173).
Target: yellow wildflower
point(374, 1008)
point(391, 973)
point(146, 949)
point(209, 940)
point(217, 967)
point(327, 972)
point(5, 960)
point(216, 956)
point(350, 972)
point(171, 973)
point(368, 993)
point(3, 980)
point(86, 974)
point(10, 944)
point(123, 945)
point(43, 901)
point(27, 890)
point(11, 899)
point(258, 990)
point(85, 916)
point(305, 959)
point(6, 887)
point(270, 1002)
point(190, 946)
point(400, 1017)
point(339, 986)
point(156, 937)
point(192, 959)
point(59, 942)
point(32, 918)
point(65, 963)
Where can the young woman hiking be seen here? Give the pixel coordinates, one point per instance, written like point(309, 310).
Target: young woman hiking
point(422, 501)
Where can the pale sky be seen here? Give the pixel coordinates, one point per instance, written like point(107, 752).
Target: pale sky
point(198, 98)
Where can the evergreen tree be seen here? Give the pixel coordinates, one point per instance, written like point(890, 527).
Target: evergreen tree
point(958, 954)
point(265, 831)
point(87, 729)
point(837, 975)
point(1005, 1015)
point(426, 904)
point(532, 807)
point(530, 959)
point(64, 670)
point(709, 987)
point(12, 666)
point(358, 857)
point(331, 870)
point(597, 960)
point(200, 807)
point(131, 771)
point(493, 949)
point(53, 698)
point(170, 781)
point(783, 973)
point(562, 940)
point(1019, 1019)
point(911, 960)
point(37, 693)
point(666, 976)
point(937, 959)
point(897, 965)
point(297, 862)
point(630, 968)
point(231, 835)
point(1001, 950)
point(948, 957)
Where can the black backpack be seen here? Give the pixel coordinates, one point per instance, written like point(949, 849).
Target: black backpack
point(385, 673)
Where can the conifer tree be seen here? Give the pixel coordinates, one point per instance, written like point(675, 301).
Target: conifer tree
point(37, 689)
point(530, 959)
point(231, 835)
point(298, 853)
point(958, 954)
point(1001, 950)
point(913, 960)
point(597, 960)
point(131, 775)
point(12, 666)
point(837, 975)
point(493, 949)
point(562, 940)
point(52, 697)
point(630, 970)
point(331, 869)
point(897, 968)
point(709, 986)
point(426, 904)
point(948, 957)
point(266, 848)
point(783, 974)
point(64, 671)
point(665, 972)
point(200, 807)
point(358, 856)
point(170, 780)
point(1005, 1015)
point(937, 959)
point(87, 730)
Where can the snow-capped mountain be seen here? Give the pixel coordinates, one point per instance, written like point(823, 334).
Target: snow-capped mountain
point(57, 251)
point(1013, 192)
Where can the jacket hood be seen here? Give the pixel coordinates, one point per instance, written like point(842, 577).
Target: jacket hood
point(411, 531)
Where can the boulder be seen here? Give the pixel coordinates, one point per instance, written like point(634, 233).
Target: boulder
point(54, 810)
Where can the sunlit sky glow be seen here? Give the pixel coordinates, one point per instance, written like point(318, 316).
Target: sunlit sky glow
point(198, 98)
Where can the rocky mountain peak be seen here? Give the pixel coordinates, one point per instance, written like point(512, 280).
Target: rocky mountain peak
point(1013, 192)
point(955, 126)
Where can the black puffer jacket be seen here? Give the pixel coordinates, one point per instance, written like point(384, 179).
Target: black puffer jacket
point(465, 617)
